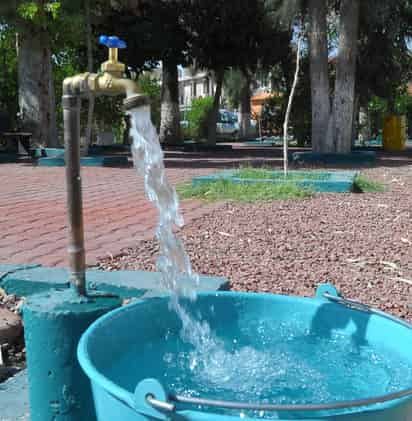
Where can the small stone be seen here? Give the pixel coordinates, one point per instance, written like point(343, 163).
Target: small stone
point(10, 326)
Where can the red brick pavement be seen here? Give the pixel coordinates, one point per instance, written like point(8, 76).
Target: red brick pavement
point(33, 216)
point(33, 226)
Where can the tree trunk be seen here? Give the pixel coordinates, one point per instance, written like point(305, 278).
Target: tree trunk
point(355, 121)
point(89, 44)
point(244, 105)
point(170, 114)
point(211, 132)
point(319, 75)
point(36, 89)
point(341, 119)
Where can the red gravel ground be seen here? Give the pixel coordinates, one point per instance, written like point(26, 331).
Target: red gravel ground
point(360, 242)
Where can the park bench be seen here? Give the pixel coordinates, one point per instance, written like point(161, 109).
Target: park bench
point(10, 140)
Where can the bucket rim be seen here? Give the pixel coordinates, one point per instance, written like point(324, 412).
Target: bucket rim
point(381, 402)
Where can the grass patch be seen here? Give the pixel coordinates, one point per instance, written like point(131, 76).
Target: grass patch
point(242, 192)
point(265, 173)
point(363, 184)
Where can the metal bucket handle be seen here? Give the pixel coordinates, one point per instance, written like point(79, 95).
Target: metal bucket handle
point(150, 399)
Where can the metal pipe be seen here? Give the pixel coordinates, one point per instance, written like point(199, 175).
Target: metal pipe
point(113, 54)
point(160, 405)
point(76, 250)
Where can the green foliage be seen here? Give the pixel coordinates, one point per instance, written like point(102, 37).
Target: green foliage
point(39, 14)
point(378, 108)
point(109, 115)
point(366, 185)
point(385, 62)
point(237, 34)
point(268, 174)
point(198, 117)
point(272, 115)
point(401, 101)
point(150, 86)
point(154, 30)
point(28, 10)
point(242, 192)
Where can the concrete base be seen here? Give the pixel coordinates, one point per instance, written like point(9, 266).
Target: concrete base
point(329, 181)
point(268, 141)
point(31, 279)
point(353, 158)
point(53, 324)
point(48, 152)
point(14, 398)
point(8, 158)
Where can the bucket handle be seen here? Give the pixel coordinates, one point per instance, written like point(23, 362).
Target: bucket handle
point(150, 399)
point(330, 293)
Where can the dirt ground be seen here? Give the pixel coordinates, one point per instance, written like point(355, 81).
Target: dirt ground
point(361, 242)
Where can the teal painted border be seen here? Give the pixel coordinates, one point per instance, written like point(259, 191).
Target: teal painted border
point(337, 182)
point(24, 280)
point(8, 158)
point(87, 161)
point(358, 157)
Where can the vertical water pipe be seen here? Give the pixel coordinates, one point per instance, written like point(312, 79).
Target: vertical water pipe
point(77, 255)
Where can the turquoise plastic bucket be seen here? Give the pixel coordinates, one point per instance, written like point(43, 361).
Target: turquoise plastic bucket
point(126, 391)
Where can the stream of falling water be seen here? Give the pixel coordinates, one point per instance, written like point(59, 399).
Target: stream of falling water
point(177, 276)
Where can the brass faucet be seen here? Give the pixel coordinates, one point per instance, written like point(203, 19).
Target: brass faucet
point(110, 81)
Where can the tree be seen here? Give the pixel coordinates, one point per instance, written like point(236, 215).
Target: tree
point(244, 103)
point(170, 113)
point(36, 88)
point(251, 40)
point(319, 73)
point(8, 75)
point(340, 126)
point(45, 29)
point(149, 85)
point(231, 84)
point(379, 30)
point(385, 63)
point(155, 31)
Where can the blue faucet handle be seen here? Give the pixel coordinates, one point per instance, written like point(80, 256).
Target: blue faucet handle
point(112, 42)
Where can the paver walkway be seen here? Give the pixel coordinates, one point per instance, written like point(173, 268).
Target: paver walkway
point(33, 226)
point(33, 216)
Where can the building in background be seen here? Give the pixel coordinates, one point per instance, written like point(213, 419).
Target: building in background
point(194, 84)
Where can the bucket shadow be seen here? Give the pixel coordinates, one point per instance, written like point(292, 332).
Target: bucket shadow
point(331, 317)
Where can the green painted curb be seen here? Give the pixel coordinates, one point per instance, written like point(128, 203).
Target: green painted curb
point(24, 280)
point(353, 158)
point(329, 182)
point(86, 161)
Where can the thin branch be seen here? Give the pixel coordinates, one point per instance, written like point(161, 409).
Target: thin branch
point(289, 107)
